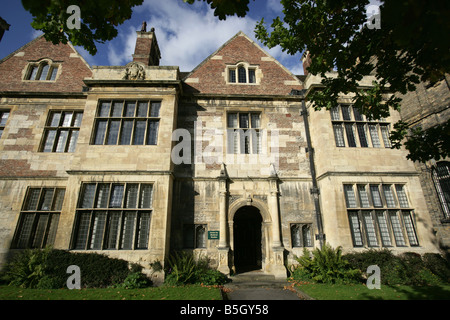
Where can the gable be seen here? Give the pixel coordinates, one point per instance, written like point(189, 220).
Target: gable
point(68, 67)
point(240, 56)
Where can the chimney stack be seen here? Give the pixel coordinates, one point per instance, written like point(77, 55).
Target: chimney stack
point(306, 59)
point(147, 49)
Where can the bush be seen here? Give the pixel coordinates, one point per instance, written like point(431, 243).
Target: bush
point(184, 269)
point(405, 269)
point(135, 280)
point(325, 265)
point(438, 265)
point(388, 263)
point(47, 269)
point(27, 268)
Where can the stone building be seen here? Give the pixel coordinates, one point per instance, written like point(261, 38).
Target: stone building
point(229, 161)
point(426, 107)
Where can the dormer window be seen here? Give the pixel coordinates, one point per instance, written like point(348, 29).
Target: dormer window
point(42, 71)
point(242, 73)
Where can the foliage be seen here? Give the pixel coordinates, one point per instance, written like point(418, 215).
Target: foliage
point(405, 50)
point(222, 9)
point(404, 269)
point(184, 269)
point(423, 145)
point(27, 269)
point(135, 280)
point(325, 265)
point(47, 269)
point(98, 22)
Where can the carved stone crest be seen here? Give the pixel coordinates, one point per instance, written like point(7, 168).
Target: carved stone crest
point(134, 71)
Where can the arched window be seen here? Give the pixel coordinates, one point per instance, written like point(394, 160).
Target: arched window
point(441, 178)
point(42, 71)
point(242, 75)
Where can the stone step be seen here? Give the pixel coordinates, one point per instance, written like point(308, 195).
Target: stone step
point(256, 279)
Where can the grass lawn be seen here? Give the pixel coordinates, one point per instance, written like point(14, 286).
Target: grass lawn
point(361, 292)
point(153, 293)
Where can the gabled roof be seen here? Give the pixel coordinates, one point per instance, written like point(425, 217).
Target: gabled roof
point(72, 68)
point(209, 76)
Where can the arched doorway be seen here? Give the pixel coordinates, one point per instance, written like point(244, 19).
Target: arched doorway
point(247, 239)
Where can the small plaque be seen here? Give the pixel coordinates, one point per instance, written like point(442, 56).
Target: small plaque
point(213, 235)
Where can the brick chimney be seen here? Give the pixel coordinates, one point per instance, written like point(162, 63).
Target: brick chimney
point(306, 59)
point(146, 50)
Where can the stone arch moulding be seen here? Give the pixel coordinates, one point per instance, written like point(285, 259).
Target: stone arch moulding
point(242, 202)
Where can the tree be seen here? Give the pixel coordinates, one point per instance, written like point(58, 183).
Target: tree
point(224, 8)
point(411, 46)
point(98, 20)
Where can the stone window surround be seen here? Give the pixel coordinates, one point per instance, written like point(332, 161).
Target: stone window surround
point(4, 115)
point(115, 201)
point(26, 73)
point(354, 130)
point(301, 227)
point(194, 235)
point(247, 66)
point(439, 175)
point(380, 206)
point(39, 217)
point(71, 128)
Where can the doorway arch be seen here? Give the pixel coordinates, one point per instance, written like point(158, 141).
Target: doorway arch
point(247, 239)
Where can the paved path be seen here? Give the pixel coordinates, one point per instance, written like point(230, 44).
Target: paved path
point(256, 285)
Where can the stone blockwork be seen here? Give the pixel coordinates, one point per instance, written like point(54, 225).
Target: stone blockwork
point(427, 106)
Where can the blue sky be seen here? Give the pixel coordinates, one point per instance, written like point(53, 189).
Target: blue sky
point(187, 34)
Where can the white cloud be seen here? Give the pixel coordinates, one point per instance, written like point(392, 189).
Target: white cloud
point(127, 39)
point(275, 5)
point(186, 34)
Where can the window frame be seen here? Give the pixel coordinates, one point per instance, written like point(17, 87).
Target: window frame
point(44, 233)
point(352, 129)
point(244, 140)
point(104, 225)
point(302, 241)
point(441, 179)
point(3, 120)
point(375, 224)
point(35, 69)
point(235, 76)
point(191, 235)
point(72, 129)
point(151, 120)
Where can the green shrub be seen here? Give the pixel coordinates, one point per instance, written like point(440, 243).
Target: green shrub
point(27, 268)
point(210, 277)
point(438, 265)
point(97, 270)
point(47, 269)
point(184, 269)
point(135, 280)
point(405, 269)
point(389, 264)
point(325, 265)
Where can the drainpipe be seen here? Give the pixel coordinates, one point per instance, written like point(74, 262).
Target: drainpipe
point(315, 189)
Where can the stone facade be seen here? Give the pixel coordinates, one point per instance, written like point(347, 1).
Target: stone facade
point(427, 107)
point(227, 161)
